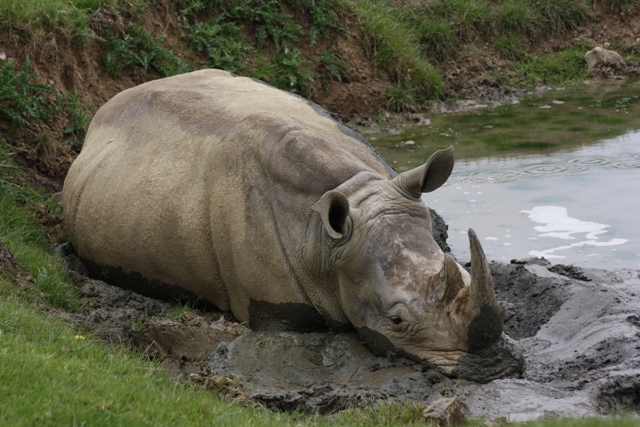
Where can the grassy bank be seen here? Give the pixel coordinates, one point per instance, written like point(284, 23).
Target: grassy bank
point(290, 43)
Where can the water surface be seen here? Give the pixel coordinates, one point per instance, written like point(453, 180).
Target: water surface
point(555, 176)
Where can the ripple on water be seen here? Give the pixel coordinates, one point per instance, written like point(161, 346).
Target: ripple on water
point(590, 161)
point(487, 176)
point(630, 163)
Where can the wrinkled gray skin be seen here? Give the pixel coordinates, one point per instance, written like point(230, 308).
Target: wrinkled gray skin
point(246, 197)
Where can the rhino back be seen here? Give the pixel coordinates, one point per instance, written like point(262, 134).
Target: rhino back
point(205, 181)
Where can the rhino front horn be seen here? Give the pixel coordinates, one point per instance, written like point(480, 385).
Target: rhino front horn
point(482, 308)
point(427, 177)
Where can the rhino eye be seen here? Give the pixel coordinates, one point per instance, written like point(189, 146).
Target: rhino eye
point(396, 320)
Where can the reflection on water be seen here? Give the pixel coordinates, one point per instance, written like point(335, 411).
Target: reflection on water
point(575, 203)
point(558, 224)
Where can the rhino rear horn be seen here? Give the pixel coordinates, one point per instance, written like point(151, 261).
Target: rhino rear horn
point(427, 177)
point(333, 208)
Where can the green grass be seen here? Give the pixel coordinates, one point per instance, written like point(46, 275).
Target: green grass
point(50, 14)
point(394, 47)
point(52, 375)
point(564, 66)
point(19, 231)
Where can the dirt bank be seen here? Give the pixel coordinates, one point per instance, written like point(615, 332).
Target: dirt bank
point(579, 330)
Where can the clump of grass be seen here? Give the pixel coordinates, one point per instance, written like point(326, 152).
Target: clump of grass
point(21, 98)
point(138, 48)
point(438, 38)
point(401, 99)
point(515, 16)
point(50, 14)
point(510, 47)
point(618, 5)
point(561, 15)
point(393, 46)
point(566, 65)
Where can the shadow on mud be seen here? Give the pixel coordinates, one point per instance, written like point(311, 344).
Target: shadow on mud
point(579, 329)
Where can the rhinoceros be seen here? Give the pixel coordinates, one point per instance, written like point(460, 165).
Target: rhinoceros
point(257, 201)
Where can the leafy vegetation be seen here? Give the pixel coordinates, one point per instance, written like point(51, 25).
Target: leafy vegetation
point(137, 47)
point(223, 42)
point(20, 97)
point(331, 67)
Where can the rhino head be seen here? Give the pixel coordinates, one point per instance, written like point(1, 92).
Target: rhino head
point(400, 290)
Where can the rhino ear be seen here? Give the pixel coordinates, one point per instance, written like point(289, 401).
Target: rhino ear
point(427, 177)
point(333, 208)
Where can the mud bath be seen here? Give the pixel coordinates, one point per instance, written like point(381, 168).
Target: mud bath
point(579, 329)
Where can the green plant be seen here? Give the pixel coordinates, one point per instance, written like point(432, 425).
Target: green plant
point(51, 14)
point(401, 99)
point(20, 97)
point(324, 17)
point(331, 67)
point(618, 5)
point(393, 46)
point(272, 23)
point(80, 117)
point(560, 67)
point(510, 47)
point(138, 48)
point(561, 15)
point(438, 38)
point(516, 16)
point(291, 72)
point(222, 41)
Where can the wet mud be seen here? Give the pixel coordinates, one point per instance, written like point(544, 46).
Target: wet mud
point(579, 330)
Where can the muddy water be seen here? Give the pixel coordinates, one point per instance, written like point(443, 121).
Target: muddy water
point(556, 175)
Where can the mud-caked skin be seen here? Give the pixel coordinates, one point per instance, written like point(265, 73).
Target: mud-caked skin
point(249, 199)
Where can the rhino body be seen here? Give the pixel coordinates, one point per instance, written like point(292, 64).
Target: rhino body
point(248, 198)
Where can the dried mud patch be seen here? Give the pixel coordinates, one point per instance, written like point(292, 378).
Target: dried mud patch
point(579, 330)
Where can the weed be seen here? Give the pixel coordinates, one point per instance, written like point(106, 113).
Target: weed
point(285, 70)
point(20, 97)
point(401, 99)
point(438, 38)
point(331, 67)
point(138, 48)
point(510, 47)
point(272, 23)
point(563, 66)
point(561, 15)
point(393, 45)
point(76, 128)
point(324, 17)
point(515, 16)
point(618, 5)
point(222, 41)
point(51, 14)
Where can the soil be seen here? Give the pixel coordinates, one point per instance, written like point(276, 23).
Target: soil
point(579, 330)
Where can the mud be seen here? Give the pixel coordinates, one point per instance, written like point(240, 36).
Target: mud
point(579, 329)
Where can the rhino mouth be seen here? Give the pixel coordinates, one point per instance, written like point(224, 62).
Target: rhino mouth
point(502, 359)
